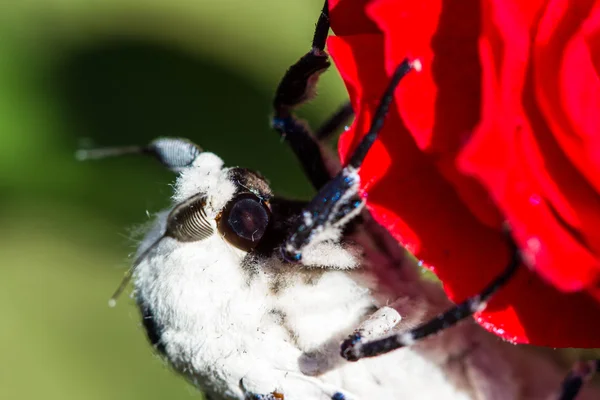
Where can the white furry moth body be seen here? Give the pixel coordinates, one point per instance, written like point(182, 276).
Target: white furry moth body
point(224, 308)
point(223, 316)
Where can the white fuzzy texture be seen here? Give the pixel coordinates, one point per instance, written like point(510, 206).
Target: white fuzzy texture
point(218, 330)
point(379, 323)
point(219, 327)
point(206, 176)
point(328, 254)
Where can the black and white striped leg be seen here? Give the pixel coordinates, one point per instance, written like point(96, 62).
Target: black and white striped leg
point(339, 200)
point(354, 348)
point(581, 372)
point(297, 86)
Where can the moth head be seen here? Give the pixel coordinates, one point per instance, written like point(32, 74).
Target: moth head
point(235, 199)
point(213, 206)
point(219, 216)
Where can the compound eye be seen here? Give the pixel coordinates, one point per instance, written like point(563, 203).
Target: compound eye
point(187, 222)
point(244, 221)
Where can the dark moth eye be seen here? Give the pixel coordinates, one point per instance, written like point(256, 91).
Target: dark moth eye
point(187, 222)
point(244, 221)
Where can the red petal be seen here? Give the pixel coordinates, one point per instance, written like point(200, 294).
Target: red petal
point(407, 199)
point(350, 18)
point(441, 106)
point(567, 91)
point(428, 206)
point(517, 158)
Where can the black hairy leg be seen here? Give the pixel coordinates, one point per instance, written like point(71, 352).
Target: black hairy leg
point(354, 348)
point(339, 200)
point(297, 86)
point(335, 122)
point(581, 372)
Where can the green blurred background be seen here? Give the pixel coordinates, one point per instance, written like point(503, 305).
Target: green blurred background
point(108, 72)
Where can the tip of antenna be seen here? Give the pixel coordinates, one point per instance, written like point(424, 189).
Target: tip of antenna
point(82, 155)
point(112, 303)
point(416, 65)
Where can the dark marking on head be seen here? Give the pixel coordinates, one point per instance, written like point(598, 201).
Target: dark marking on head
point(247, 180)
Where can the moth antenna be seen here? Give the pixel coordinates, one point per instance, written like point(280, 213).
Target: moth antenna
point(112, 302)
point(174, 153)
point(107, 152)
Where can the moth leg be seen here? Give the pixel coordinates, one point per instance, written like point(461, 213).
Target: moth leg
point(340, 200)
point(581, 372)
point(379, 323)
point(355, 348)
point(334, 122)
point(297, 86)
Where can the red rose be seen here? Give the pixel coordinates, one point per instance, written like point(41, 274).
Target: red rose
point(503, 123)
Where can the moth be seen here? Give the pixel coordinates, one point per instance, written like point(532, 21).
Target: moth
point(249, 295)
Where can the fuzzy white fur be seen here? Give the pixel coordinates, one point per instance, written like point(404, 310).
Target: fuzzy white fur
point(219, 329)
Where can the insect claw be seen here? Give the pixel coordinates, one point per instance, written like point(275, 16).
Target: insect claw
point(351, 347)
